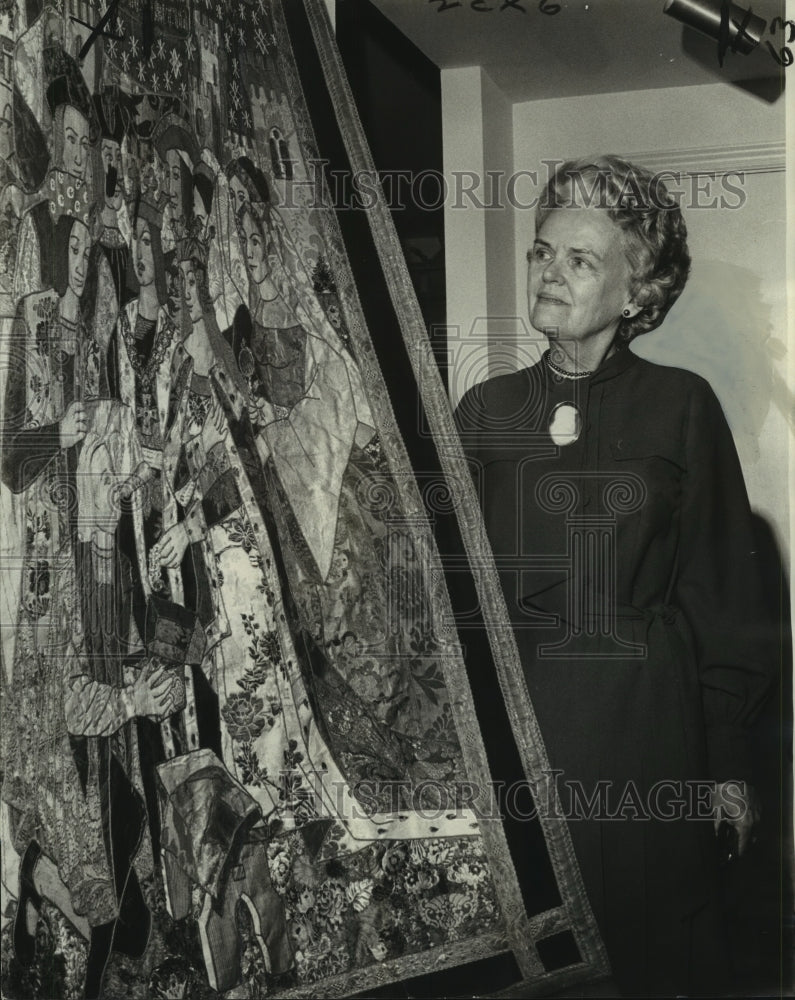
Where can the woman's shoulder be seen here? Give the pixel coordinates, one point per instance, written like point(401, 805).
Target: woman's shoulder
point(501, 396)
point(666, 396)
point(673, 380)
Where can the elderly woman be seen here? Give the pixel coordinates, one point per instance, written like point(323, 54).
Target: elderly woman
point(638, 609)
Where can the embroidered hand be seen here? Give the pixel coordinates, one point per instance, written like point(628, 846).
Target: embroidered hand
point(74, 425)
point(736, 803)
point(172, 545)
point(215, 427)
point(261, 413)
point(152, 692)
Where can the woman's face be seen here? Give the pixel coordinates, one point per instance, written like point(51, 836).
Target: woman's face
point(238, 193)
point(174, 182)
point(254, 249)
point(190, 290)
point(79, 252)
point(144, 254)
point(578, 280)
point(75, 142)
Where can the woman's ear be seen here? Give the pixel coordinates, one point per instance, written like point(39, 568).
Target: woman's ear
point(631, 309)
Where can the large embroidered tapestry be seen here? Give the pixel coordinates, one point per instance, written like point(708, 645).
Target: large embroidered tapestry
point(244, 749)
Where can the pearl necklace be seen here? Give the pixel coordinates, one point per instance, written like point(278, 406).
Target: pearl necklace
point(561, 372)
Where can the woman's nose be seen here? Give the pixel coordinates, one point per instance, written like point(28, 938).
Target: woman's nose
point(551, 272)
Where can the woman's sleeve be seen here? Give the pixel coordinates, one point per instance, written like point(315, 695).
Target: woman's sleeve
point(27, 272)
point(96, 709)
point(216, 494)
point(27, 451)
point(720, 587)
point(311, 447)
point(92, 707)
point(205, 484)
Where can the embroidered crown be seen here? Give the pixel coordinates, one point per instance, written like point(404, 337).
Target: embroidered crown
point(194, 245)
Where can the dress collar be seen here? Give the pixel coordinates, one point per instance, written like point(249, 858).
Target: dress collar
point(617, 363)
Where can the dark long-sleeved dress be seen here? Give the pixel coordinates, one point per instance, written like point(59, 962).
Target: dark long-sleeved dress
point(628, 561)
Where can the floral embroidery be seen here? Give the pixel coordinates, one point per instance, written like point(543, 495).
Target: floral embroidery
point(385, 901)
point(244, 716)
point(240, 532)
point(250, 771)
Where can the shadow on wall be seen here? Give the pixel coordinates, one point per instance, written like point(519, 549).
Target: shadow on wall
point(722, 329)
point(759, 888)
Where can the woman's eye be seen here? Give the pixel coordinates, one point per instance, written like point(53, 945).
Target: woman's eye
point(580, 263)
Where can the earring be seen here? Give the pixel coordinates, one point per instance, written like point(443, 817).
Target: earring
point(626, 314)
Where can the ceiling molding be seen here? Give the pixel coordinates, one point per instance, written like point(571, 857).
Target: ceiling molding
point(746, 158)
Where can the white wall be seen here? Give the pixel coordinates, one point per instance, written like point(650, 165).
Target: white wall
point(479, 270)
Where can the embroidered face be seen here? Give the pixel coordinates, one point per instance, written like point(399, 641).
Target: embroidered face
point(143, 253)
point(238, 194)
point(190, 290)
point(79, 252)
point(110, 152)
point(254, 248)
point(579, 276)
point(75, 144)
point(174, 182)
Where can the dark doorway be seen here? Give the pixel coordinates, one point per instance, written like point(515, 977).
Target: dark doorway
point(397, 91)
